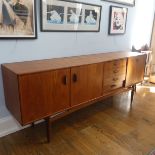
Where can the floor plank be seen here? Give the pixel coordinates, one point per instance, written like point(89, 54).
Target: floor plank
point(111, 127)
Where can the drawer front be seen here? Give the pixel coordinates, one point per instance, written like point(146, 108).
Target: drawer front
point(117, 71)
point(111, 86)
point(114, 79)
point(121, 63)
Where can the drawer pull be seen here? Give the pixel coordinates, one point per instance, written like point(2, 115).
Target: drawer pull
point(74, 78)
point(115, 71)
point(112, 86)
point(115, 63)
point(65, 80)
point(115, 79)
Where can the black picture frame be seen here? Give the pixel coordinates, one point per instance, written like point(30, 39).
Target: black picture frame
point(117, 20)
point(123, 2)
point(23, 27)
point(67, 27)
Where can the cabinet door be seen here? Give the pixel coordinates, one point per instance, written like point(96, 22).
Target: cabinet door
point(135, 70)
point(86, 83)
point(43, 94)
point(61, 90)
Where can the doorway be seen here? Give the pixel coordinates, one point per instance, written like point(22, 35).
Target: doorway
point(153, 43)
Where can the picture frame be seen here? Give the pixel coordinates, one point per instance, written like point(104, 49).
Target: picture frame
point(117, 20)
point(18, 19)
point(124, 2)
point(69, 16)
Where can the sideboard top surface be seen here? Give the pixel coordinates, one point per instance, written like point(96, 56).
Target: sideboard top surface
point(34, 66)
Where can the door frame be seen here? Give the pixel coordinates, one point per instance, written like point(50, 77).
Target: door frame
point(152, 42)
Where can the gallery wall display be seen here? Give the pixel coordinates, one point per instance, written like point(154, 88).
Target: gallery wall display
point(18, 19)
point(125, 2)
point(59, 15)
point(117, 20)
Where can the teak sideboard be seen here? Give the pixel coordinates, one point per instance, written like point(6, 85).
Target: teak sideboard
point(49, 89)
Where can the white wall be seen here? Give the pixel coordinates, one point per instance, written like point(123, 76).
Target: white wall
point(143, 21)
point(55, 44)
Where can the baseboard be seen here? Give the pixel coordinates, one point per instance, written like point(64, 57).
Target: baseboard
point(8, 125)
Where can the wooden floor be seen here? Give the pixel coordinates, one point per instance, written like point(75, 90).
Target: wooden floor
point(106, 128)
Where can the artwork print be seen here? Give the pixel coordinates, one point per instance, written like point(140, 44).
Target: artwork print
point(58, 15)
point(90, 17)
point(74, 15)
point(125, 2)
point(118, 17)
point(55, 14)
point(17, 19)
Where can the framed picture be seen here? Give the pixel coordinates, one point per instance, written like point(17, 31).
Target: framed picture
point(59, 15)
point(17, 19)
point(117, 20)
point(125, 2)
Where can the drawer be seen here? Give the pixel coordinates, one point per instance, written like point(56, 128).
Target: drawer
point(113, 79)
point(121, 63)
point(117, 71)
point(112, 86)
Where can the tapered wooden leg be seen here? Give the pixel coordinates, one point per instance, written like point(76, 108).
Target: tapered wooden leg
point(48, 128)
point(132, 94)
point(32, 125)
point(135, 88)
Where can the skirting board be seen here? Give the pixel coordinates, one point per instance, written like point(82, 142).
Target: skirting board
point(9, 125)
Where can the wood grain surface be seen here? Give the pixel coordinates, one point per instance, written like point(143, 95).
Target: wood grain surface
point(105, 128)
point(59, 63)
point(39, 89)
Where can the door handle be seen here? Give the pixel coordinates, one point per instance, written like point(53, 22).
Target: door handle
point(64, 80)
point(112, 86)
point(115, 79)
point(115, 71)
point(115, 63)
point(74, 78)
